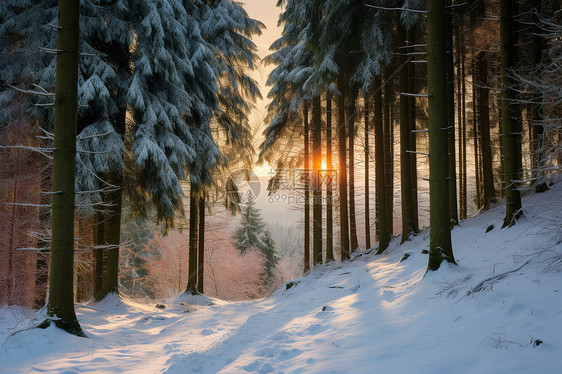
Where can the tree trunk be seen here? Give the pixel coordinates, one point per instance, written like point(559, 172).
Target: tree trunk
point(344, 223)
point(60, 307)
point(412, 120)
point(317, 181)
point(192, 256)
point(367, 165)
point(489, 192)
point(462, 138)
point(99, 253)
point(388, 127)
point(440, 247)
point(306, 189)
point(511, 149)
point(351, 116)
point(201, 246)
point(475, 115)
point(380, 169)
point(408, 225)
point(329, 181)
point(450, 69)
point(42, 261)
point(111, 274)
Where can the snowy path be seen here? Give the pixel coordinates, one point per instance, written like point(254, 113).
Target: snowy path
point(370, 315)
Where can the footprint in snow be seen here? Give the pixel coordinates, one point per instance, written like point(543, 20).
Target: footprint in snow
point(207, 332)
point(388, 295)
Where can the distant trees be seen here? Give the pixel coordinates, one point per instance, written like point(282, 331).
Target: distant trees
point(252, 235)
point(346, 51)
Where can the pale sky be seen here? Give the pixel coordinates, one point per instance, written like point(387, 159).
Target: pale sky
point(266, 12)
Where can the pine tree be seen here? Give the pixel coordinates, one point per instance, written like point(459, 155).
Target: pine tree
point(252, 235)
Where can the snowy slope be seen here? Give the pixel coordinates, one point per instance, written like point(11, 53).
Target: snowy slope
point(374, 314)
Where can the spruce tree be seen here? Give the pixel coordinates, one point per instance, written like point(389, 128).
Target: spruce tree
point(252, 235)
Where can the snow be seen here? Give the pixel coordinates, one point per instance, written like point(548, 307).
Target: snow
point(373, 314)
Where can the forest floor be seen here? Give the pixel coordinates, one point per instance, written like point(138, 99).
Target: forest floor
point(498, 311)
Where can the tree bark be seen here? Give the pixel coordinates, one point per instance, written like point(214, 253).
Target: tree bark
point(60, 307)
point(412, 120)
point(450, 69)
point(440, 247)
point(511, 149)
point(408, 225)
point(489, 192)
point(351, 116)
point(99, 253)
point(388, 127)
point(344, 222)
point(111, 274)
point(201, 246)
point(192, 256)
point(380, 169)
point(317, 181)
point(367, 166)
point(329, 181)
point(306, 189)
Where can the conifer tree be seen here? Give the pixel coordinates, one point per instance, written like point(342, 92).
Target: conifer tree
point(252, 235)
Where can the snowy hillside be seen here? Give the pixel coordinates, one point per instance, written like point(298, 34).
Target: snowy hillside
point(499, 311)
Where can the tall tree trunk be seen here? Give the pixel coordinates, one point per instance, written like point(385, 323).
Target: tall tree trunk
point(511, 149)
point(367, 165)
point(99, 253)
point(192, 256)
point(344, 222)
point(412, 120)
point(42, 261)
point(450, 70)
point(408, 225)
point(475, 105)
point(329, 181)
point(460, 116)
point(440, 247)
point(484, 114)
point(60, 307)
point(351, 116)
point(380, 169)
point(111, 274)
point(14, 215)
point(317, 180)
point(306, 189)
point(388, 128)
point(462, 139)
point(201, 246)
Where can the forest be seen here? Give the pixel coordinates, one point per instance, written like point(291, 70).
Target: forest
point(396, 134)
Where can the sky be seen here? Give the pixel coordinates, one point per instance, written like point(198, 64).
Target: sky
point(266, 12)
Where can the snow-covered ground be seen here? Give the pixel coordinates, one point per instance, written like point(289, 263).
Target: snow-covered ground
point(499, 311)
